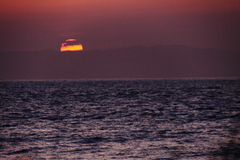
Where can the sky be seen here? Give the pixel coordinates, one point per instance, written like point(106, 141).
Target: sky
point(101, 24)
point(201, 39)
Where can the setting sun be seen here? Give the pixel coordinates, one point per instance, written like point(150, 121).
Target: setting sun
point(71, 45)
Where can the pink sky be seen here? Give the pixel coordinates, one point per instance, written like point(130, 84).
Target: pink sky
point(101, 24)
point(37, 25)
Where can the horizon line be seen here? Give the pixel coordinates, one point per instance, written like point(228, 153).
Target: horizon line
point(126, 47)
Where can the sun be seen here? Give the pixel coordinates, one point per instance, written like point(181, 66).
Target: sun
point(71, 45)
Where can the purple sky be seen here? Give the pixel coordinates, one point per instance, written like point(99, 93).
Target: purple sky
point(36, 25)
point(101, 24)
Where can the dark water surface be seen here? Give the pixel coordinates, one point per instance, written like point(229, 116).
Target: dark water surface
point(131, 119)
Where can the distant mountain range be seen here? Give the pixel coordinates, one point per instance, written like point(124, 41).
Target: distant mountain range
point(130, 62)
point(138, 49)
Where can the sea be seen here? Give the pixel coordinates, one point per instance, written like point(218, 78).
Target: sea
point(152, 119)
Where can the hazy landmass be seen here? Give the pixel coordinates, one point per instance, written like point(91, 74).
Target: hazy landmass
point(174, 61)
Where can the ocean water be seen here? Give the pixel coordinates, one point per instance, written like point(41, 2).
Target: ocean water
point(120, 119)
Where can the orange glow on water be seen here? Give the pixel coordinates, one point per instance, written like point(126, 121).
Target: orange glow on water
point(73, 46)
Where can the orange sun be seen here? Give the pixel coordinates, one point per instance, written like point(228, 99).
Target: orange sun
point(71, 45)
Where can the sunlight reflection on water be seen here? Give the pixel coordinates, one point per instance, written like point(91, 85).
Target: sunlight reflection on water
point(138, 119)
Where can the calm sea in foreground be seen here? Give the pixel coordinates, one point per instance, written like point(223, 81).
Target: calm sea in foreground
point(120, 119)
